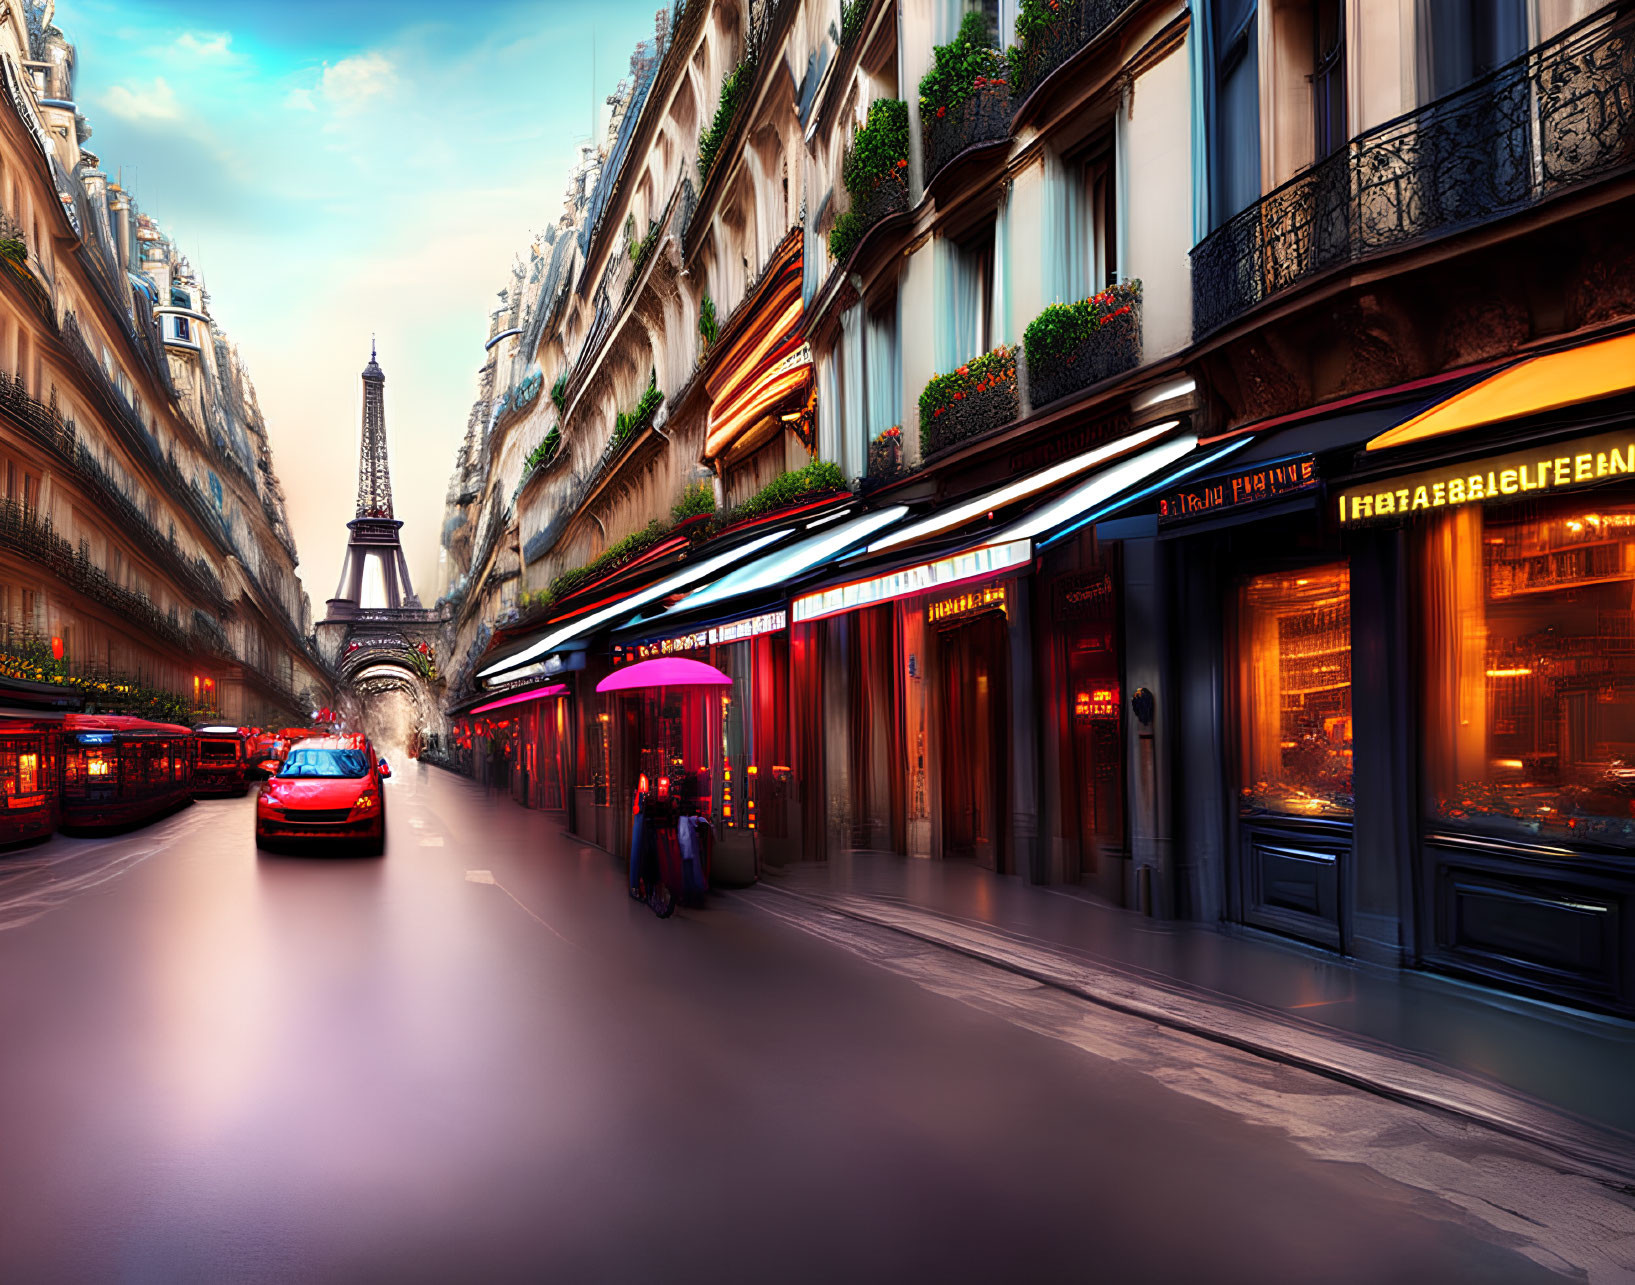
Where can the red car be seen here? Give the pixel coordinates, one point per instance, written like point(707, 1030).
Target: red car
point(328, 788)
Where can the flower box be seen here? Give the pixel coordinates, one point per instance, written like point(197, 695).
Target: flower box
point(1070, 347)
point(984, 117)
point(1051, 32)
point(886, 454)
point(889, 196)
point(978, 397)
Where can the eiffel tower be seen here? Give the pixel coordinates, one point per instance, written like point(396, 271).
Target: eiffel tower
point(375, 633)
point(374, 530)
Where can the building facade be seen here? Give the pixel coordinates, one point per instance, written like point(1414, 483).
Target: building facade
point(146, 558)
point(1028, 409)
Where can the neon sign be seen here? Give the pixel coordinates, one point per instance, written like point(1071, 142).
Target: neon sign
point(716, 635)
point(1542, 469)
point(973, 564)
point(1098, 702)
point(1270, 482)
point(969, 603)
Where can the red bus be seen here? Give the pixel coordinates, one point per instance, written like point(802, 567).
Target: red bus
point(28, 778)
point(222, 760)
point(118, 770)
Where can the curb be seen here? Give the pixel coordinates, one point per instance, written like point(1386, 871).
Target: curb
point(1362, 1064)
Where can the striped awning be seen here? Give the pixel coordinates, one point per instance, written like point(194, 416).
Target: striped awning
point(766, 365)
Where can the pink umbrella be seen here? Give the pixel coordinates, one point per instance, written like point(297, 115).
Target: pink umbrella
point(666, 671)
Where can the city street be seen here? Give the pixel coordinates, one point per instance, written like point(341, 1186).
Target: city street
point(476, 1058)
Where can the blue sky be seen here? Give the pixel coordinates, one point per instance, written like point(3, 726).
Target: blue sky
point(337, 168)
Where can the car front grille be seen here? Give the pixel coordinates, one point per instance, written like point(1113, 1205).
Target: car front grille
point(305, 815)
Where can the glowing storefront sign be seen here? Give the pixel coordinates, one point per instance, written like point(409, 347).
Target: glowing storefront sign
point(968, 603)
point(1541, 469)
point(973, 564)
point(715, 635)
point(1098, 702)
point(1271, 481)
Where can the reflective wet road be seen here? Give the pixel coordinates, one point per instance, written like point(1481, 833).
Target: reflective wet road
point(219, 1065)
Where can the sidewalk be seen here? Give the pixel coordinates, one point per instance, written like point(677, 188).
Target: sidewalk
point(1552, 1076)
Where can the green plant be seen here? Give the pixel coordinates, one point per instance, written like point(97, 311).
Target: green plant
point(14, 248)
point(990, 370)
point(628, 421)
point(695, 500)
point(878, 154)
point(734, 86)
point(639, 250)
point(545, 452)
point(1063, 327)
point(852, 13)
point(559, 393)
point(708, 327)
point(789, 488)
point(969, 62)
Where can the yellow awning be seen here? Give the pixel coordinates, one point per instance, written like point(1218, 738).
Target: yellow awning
point(1541, 383)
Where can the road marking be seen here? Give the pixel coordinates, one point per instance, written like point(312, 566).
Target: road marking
point(487, 876)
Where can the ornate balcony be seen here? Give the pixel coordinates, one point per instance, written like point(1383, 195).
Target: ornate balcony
point(1560, 115)
point(1047, 47)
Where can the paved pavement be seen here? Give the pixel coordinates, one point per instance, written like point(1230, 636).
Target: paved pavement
point(476, 1058)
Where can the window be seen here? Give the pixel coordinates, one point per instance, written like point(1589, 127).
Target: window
point(1328, 78)
point(1462, 40)
point(971, 303)
point(883, 367)
point(1089, 256)
point(1530, 675)
point(1235, 145)
point(31, 492)
point(1294, 692)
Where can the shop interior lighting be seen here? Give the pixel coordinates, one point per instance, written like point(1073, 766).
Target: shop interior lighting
point(790, 562)
point(1033, 483)
point(1519, 672)
point(681, 580)
point(1101, 488)
point(1168, 481)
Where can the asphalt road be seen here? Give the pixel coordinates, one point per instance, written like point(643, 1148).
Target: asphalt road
point(219, 1065)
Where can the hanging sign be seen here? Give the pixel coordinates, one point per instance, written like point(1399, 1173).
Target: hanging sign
point(1252, 486)
point(1540, 469)
point(970, 603)
point(973, 564)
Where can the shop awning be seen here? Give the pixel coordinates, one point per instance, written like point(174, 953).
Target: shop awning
point(1550, 381)
point(947, 520)
point(1085, 502)
point(766, 368)
point(519, 698)
point(685, 578)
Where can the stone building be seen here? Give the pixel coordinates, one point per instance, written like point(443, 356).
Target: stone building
point(146, 557)
point(1006, 400)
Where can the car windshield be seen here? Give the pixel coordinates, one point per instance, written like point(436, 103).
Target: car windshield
point(345, 763)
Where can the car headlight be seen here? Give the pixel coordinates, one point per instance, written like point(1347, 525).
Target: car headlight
point(365, 803)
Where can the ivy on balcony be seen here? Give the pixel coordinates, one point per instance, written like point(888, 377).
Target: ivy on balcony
point(875, 174)
point(640, 248)
point(965, 98)
point(30, 659)
point(696, 501)
point(734, 89)
point(972, 400)
point(1071, 346)
point(708, 326)
point(1049, 32)
point(627, 423)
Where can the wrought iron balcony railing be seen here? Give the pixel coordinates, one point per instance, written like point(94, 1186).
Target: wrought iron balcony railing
point(1560, 115)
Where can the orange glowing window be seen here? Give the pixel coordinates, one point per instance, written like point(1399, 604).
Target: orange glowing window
point(28, 773)
point(98, 763)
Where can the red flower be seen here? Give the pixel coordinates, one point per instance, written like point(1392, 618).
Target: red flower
point(902, 162)
point(959, 397)
point(963, 371)
point(940, 112)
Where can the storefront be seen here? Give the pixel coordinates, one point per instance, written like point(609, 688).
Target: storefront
point(1402, 686)
point(727, 743)
point(525, 743)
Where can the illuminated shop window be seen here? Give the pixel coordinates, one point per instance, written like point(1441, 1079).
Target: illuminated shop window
point(1294, 693)
point(1530, 672)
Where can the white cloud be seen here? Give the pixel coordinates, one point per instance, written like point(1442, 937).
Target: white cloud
point(143, 103)
point(352, 82)
point(300, 100)
point(212, 46)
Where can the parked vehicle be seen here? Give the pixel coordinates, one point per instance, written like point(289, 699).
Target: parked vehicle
point(222, 761)
point(118, 770)
point(328, 788)
point(28, 778)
